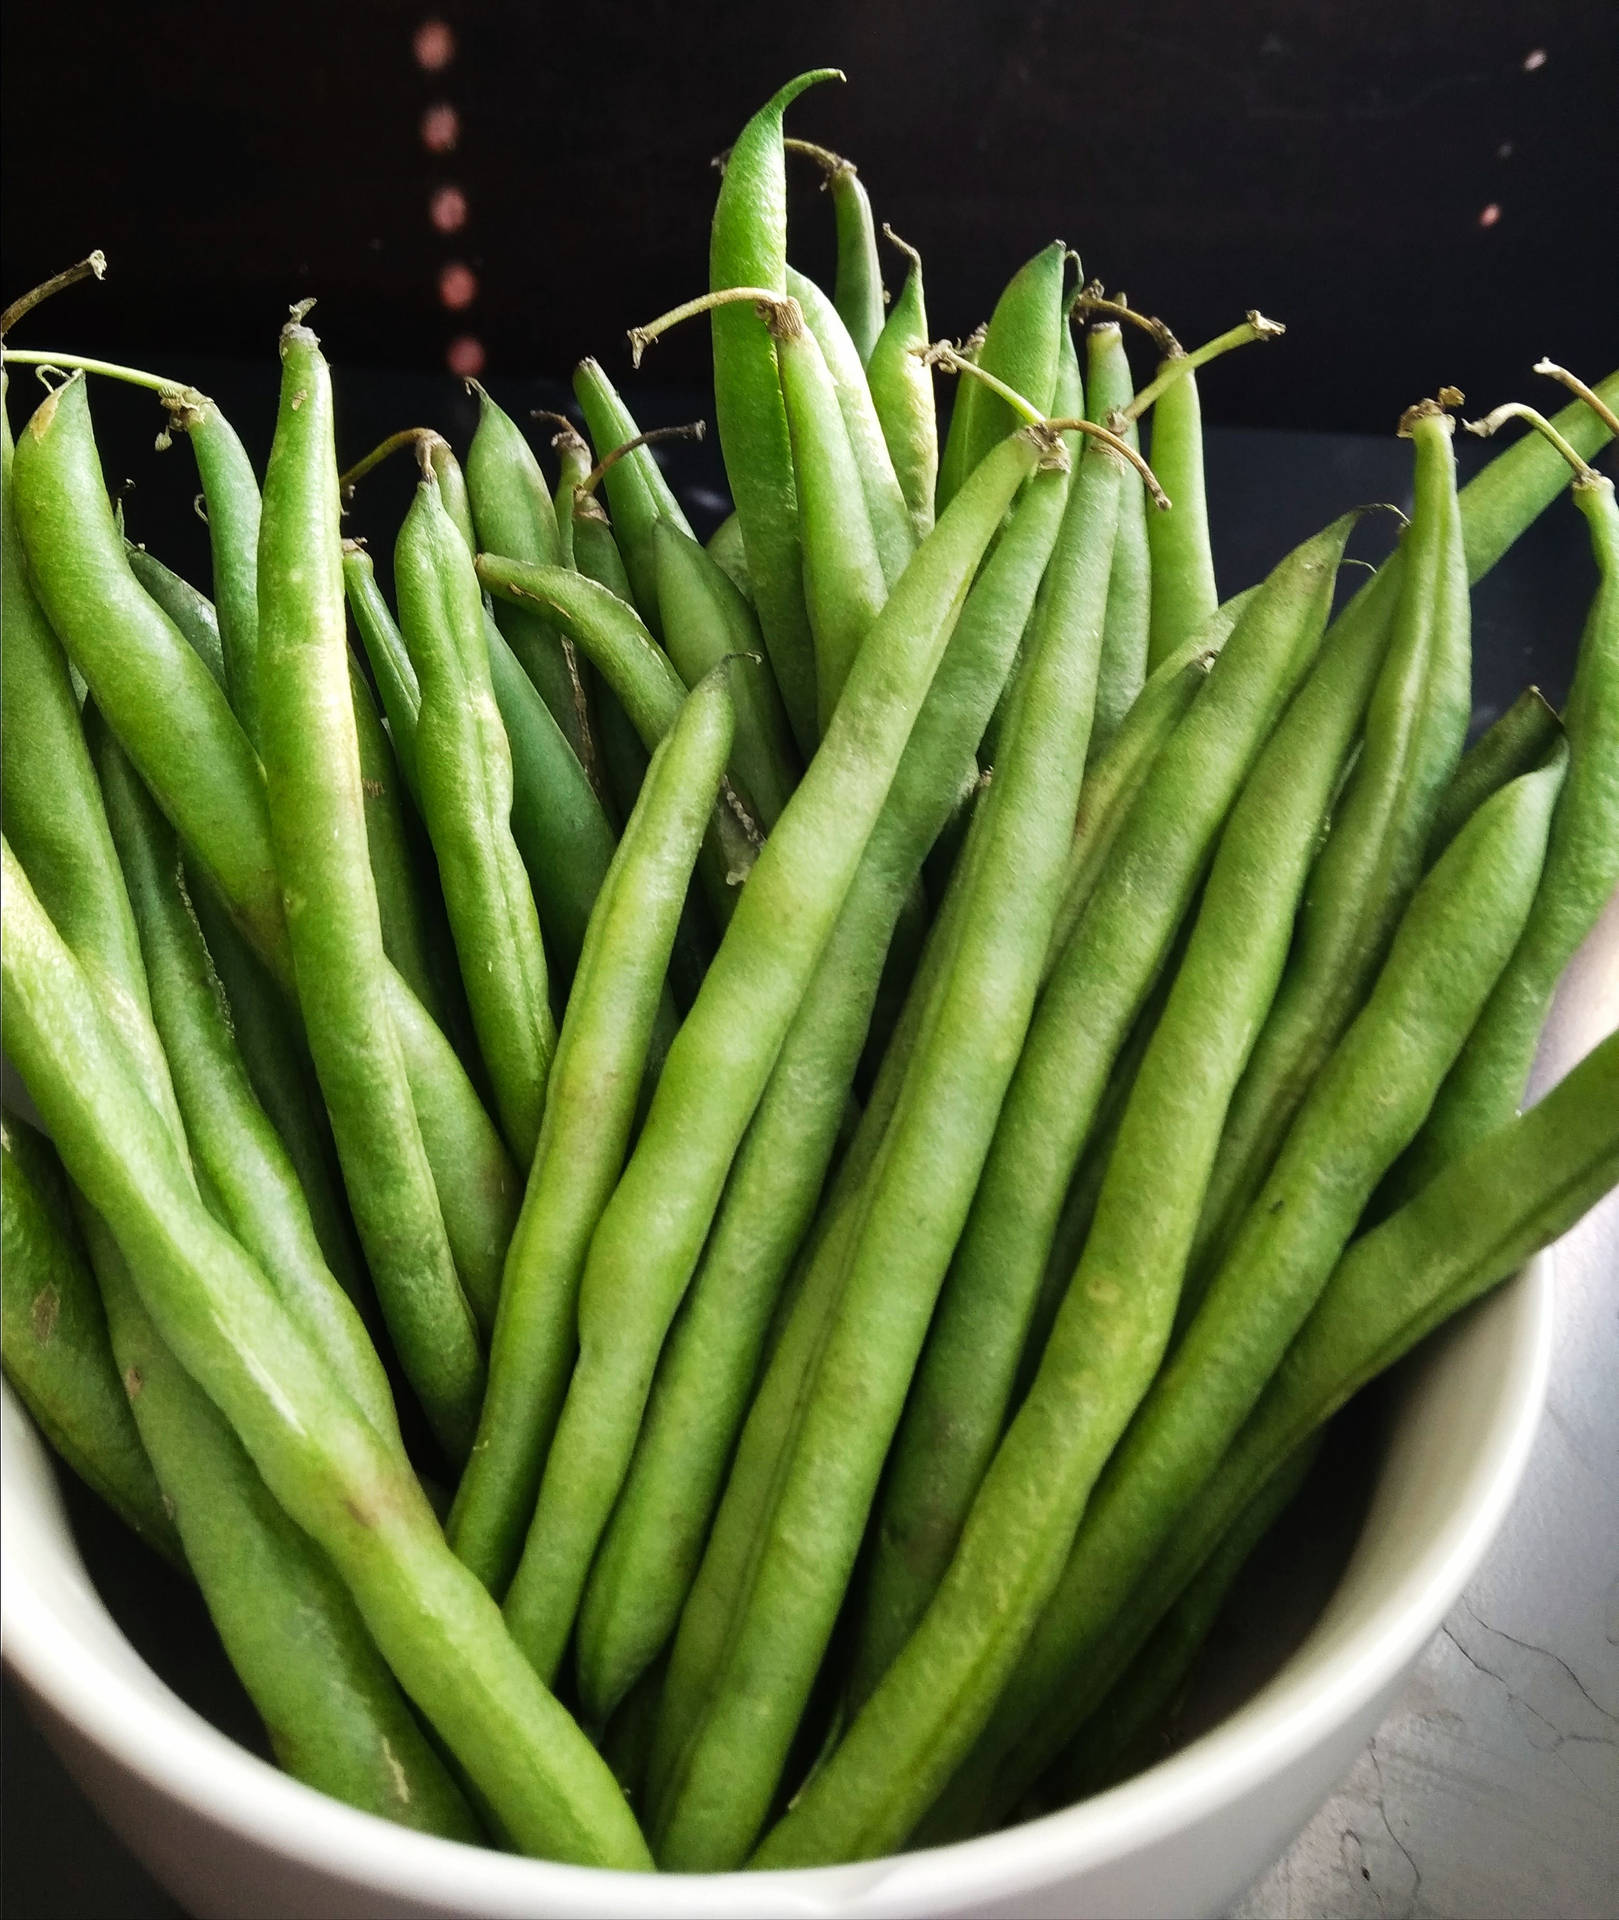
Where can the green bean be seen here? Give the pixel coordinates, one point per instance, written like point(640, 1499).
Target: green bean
point(1124, 1735)
point(858, 288)
point(239, 1157)
point(574, 464)
point(721, 1058)
point(388, 657)
point(317, 818)
point(1415, 726)
point(716, 1795)
point(726, 549)
point(700, 1395)
point(1582, 871)
point(514, 513)
point(158, 697)
point(1104, 975)
point(271, 1041)
point(1182, 592)
point(600, 1061)
point(647, 686)
point(192, 612)
point(1518, 740)
point(845, 583)
point(1469, 1228)
point(748, 248)
point(1129, 601)
point(55, 1344)
point(337, 1479)
point(1116, 1319)
point(1116, 774)
point(463, 763)
point(639, 494)
point(1021, 348)
point(1499, 502)
point(891, 523)
point(705, 620)
point(902, 393)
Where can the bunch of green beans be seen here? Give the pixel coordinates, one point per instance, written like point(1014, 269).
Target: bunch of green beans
point(856, 1093)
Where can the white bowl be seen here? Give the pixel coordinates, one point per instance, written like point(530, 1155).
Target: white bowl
point(230, 1836)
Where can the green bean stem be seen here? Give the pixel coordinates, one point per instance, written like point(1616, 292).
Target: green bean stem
point(595, 1080)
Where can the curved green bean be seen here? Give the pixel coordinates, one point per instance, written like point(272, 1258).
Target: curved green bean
point(902, 392)
point(858, 287)
point(595, 1081)
point(192, 612)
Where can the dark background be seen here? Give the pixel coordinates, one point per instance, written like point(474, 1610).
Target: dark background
point(1425, 192)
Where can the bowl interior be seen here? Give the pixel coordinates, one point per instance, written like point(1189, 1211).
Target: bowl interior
point(1415, 1491)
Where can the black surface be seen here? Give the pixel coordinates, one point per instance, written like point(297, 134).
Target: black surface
point(1331, 164)
point(1267, 490)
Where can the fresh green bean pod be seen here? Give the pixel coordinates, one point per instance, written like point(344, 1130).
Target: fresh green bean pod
point(1021, 347)
point(239, 1156)
point(271, 1041)
point(1522, 481)
point(639, 494)
point(651, 1234)
point(1582, 871)
point(1415, 725)
point(891, 523)
point(574, 462)
point(1516, 742)
point(596, 1078)
point(858, 288)
point(159, 698)
point(1116, 1320)
point(335, 1477)
point(902, 393)
point(463, 763)
point(335, 1717)
point(1094, 995)
point(844, 581)
point(1125, 1735)
point(716, 1795)
point(1518, 1190)
point(1182, 592)
point(192, 612)
point(230, 491)
point(388, 657)
point(317, 817)
point(726, 550)
point(56, 1349)
point(700, 1396)
point(513, 512)
point(748, 248)
point(705, 621)
point(1125, 638)
point(1119, 768)
point(641, 677)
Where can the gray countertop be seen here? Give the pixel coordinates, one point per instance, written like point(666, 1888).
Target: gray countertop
point(1493, 1787)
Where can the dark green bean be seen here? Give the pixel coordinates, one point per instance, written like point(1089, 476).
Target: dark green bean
point(1518, 740)
point(56, 1349)
point(192, 612)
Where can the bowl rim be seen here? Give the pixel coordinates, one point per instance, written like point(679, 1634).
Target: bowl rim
point(224, 1783)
